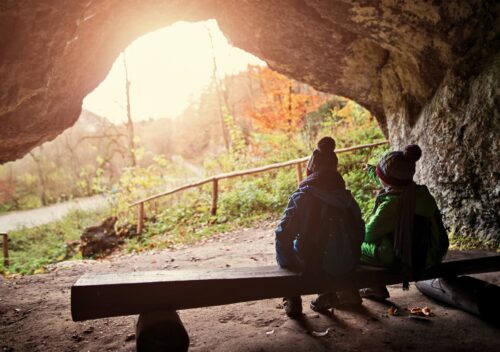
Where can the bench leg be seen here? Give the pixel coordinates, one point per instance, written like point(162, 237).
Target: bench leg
point(161, 331)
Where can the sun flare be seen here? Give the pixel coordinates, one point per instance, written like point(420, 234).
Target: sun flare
point(167, 69)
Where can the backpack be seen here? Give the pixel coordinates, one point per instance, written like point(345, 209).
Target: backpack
point(337, 235)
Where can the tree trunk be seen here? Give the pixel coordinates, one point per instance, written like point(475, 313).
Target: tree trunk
point(219, 94)
point(130, 124)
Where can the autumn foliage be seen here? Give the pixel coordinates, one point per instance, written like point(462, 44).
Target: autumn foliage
point(282, 103)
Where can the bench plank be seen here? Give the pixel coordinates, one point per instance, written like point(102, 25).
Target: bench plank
point(96, 296)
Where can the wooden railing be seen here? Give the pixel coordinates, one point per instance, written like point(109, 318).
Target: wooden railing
point(215, 181)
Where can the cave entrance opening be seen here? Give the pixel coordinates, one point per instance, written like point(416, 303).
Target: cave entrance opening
point(160, 79)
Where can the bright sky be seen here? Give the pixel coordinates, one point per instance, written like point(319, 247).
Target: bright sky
point(167, 69)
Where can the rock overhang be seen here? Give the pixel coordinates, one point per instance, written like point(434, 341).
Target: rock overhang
point(379, 53)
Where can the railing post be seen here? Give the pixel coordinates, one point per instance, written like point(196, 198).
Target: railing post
point(298, 169)
point(140, 217)
point(215, 195)
point(6, 262)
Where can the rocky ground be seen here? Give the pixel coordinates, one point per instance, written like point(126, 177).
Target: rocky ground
point(35, 311)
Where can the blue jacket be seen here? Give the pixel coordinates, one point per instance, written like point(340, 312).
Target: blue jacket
point(299, 216)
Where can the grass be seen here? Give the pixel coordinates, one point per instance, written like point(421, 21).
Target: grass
point(243, 202)
point(464, 243)
point(32, 249)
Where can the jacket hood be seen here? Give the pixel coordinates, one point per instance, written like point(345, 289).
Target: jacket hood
point(339, 198)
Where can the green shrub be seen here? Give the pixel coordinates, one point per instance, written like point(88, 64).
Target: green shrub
point(184, 218)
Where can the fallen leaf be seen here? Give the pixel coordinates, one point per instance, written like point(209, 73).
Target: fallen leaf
point(321, 334)
point(427, 311)
point(416, 310)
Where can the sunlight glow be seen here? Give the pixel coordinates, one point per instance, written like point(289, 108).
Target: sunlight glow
point(167, 69)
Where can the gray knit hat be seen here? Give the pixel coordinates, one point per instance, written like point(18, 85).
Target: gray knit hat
point(323, 156)
point(397, 168)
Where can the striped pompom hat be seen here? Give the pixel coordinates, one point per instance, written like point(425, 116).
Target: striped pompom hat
point(397, 168)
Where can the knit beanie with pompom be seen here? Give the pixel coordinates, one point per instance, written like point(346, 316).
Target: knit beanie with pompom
point(323, 156)
point(397, 168)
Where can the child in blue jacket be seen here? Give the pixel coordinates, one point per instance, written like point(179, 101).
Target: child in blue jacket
point(297, 244)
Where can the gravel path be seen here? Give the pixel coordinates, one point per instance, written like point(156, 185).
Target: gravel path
point(33, 217)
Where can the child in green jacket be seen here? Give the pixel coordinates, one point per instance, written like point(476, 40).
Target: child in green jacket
point(405, 229)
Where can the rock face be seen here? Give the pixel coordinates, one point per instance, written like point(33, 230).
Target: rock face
point(427, 70)
point(459, 131)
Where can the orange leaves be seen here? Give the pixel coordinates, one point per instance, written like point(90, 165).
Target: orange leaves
point(282, 102)
point(425, 311)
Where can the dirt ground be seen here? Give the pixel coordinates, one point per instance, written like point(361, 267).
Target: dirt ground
point(35, 311)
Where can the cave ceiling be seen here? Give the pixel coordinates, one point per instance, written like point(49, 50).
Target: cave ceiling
point(380, 53)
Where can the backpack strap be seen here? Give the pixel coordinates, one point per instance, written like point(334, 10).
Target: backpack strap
point(422, 230)
point(313, 240)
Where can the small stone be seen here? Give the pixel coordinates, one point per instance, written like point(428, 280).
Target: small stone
point(89, 330)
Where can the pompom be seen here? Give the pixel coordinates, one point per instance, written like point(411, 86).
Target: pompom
point(412, 152)
point(326, 145)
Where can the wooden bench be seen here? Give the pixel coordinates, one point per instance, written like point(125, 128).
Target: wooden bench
point(156, 295)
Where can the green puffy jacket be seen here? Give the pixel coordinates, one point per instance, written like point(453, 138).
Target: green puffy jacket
point(377, 248)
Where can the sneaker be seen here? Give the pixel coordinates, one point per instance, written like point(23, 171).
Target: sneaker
point(293, 306)
point(379, 293)
point(324, 302)
point(349, 298)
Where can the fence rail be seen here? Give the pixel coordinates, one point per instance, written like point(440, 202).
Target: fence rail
point(215, 180)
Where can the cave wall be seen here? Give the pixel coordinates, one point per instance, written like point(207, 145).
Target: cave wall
point(459, 132)
point(426, 69)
